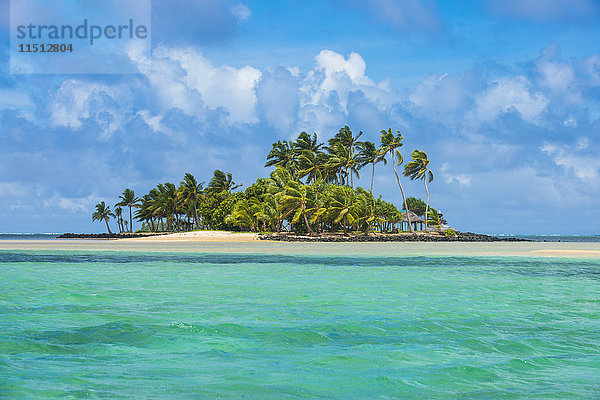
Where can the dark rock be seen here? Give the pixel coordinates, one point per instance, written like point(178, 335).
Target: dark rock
point(459, 237)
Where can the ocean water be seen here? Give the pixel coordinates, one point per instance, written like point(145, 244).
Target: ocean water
point(28, 236)
point(102, 324)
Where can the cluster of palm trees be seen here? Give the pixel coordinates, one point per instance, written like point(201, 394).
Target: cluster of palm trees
point(168, 207)
point(311, 190)
point(343, 158)
point(282, 203)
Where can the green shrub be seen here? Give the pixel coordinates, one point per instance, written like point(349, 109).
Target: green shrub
point(449, 232)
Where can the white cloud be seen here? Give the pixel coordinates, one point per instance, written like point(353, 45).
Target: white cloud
point(462, 180)
point(582, 143)
point(15, 99)
point(570, 123)
point(76, 101)
point(77, 205)
point(241, 12)
point(325, 91)
point(184, 79)
point(440, 98)
point(584, 166)
point(12, 190)
point(591, 67)
point(558, 76)
point(153, 121)
point(511, 93)
point(278, 98)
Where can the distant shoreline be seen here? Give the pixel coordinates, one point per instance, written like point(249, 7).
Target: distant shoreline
point(228, 236)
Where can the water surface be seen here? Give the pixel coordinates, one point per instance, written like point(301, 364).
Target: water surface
point(264, 325)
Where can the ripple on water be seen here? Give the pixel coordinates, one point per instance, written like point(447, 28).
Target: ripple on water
point(270, 326)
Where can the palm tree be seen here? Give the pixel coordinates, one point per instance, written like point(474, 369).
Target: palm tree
point(369, 154)
point(418, 168)
point(346, 138)
point(367, 214)
point(119, 215)
point(222, 182)
point(434, 218)
point(295, 200)
point(128, 199)
point(284, 154)
point(318, 208)
point(308, 142)
point(243, 215)
point(343, 207)
point(191, 191)
point(390, 143)
point(144, 212)
point(169, 202)
point(342, 147)
point(312, 165)
point(103, 213)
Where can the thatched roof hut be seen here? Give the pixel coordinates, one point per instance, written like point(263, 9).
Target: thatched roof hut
point(413, 217)
point(414, 220)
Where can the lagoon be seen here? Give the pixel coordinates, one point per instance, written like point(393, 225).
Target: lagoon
point(266, 320)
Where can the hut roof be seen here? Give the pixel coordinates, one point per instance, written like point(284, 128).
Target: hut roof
point(413, 217)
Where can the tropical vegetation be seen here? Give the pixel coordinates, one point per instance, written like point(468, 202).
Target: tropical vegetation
point(311, 190)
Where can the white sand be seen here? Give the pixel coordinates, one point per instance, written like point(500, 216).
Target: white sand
point(232, 242)
point(197, 236)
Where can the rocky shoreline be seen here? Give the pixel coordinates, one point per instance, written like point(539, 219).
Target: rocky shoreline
point(459, 237)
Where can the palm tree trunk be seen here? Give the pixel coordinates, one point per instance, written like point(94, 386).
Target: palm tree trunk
point(427, 205)
point(196, 216)
point(403, 195)
point(108, 227)
point(372, 178)
point(310, 232)
point(130, 221)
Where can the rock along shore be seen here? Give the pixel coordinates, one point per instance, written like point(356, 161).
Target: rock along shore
point(459, 237)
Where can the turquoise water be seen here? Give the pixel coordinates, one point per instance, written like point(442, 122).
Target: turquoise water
point(121, 325)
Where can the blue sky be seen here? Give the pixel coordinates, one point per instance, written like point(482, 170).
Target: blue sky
point(504, 96)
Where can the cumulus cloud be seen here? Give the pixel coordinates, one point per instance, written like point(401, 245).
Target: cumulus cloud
point(185, 79)
point(327, 91)
point(510, 94)
point(76, 101)
point(74, 205)
point(441, 97)
point(462, 180)
point(278, 98)
point(575, 159)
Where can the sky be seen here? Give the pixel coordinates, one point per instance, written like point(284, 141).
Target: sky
point(503, 95)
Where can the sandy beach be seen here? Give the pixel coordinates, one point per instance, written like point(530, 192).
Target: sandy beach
point(244, 243)
point(197, 236)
